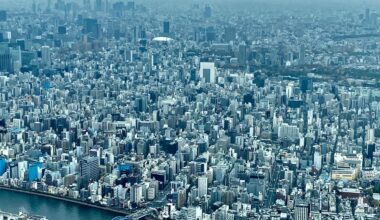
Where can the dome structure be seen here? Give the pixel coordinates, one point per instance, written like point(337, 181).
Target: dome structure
point(162, 39)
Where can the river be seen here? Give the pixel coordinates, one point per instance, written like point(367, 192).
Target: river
point(51, 208)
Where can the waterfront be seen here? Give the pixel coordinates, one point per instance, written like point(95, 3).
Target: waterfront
point(51, 208)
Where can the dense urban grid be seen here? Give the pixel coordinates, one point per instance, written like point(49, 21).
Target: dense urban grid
point(195, 113)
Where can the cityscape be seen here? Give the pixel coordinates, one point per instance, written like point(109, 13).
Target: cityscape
point(190, 109)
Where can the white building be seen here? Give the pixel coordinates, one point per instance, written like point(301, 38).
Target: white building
point(136, 194)
point(202, 186)
point(22, 168)
point(289, 90)
point(194, 213)
point(288, 131)
point(208, 72)
point(318, 157)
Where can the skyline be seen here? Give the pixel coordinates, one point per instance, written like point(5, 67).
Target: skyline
point(285, 4)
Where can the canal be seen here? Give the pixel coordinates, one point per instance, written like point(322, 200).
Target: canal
point(51, 208)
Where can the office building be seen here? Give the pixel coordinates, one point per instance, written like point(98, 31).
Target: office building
point(45, 55)
point(301, 211)
point(136, 194)
point(256, 184)
point(16, 59)
point(306, 84)
point(194, 213)
point(242, 55)
point(34, 172)
point(91, 28)
point(3, 15)
point(89, 169)
point(202, 186)
point(6, 61)
point(208, 72)
point(166, 28)
point(318, 157)
point(22, 169)
point(3, 166)
point(181, 197)
point(210, 34)
point(13, 170)
point(290, 132)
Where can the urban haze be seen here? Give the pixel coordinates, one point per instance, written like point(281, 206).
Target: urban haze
point(190, 109)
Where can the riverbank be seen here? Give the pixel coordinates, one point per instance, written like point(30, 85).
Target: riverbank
point(66, 199)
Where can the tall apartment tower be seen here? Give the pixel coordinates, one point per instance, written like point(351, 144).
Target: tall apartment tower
point(89, 169)
point(202, 186)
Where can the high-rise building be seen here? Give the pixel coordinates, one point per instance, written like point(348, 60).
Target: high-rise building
point(48, 7)
point(34, 6)
point(118, 9)
point(301, 210)
point(6, 36)
point(256, 184)
point(151, 193)
point(21, 43)
point(301, 55)
point(136, 194)
point(306, 84)
point(202, 186)
point(181, 197)
point(3, 166)
point(13, 170)
point(318, 157)
point(160, 176)
point(130, 5)
point(141, 104)
point(289, 176)
point(207, 12)
point(194, 213)
point(89, 169)
point(16, 59)
point(289, 90)
point(3, 15)
point(242, 56)
point(45, 55)
point(166, 28)
point(5, 58)
point(208, 72)
point(367, 15)
point(229, 34)
point(98, 5)
point(210, 34)
point(34, 172)
point(91, 27)
point(141, 32)
point(290, 132)
point(22, 169)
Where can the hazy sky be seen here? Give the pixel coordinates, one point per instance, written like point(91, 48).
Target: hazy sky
point(311, 4)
